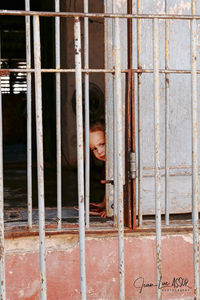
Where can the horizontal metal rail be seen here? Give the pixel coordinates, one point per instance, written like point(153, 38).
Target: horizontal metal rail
point(112, 71)
point(97, 15)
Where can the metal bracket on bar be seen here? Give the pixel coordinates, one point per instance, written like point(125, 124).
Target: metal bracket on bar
point(132, 165)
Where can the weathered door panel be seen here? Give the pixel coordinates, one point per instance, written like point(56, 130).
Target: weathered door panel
point(178, 104)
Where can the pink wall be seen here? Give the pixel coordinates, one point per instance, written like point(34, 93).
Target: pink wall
point(22, 267)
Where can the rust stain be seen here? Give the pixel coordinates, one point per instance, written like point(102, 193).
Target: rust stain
point(1, 251)
point(4, 72)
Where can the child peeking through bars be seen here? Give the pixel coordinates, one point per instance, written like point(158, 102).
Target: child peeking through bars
point(98, 148)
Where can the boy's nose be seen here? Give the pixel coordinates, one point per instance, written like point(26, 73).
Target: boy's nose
point(100, 151)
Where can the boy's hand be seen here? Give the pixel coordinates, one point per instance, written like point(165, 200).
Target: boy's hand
point(103, 214)
point(101, 204)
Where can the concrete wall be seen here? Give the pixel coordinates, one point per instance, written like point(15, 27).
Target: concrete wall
point(63, 279)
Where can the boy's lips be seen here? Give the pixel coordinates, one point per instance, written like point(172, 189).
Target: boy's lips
point(102, 157)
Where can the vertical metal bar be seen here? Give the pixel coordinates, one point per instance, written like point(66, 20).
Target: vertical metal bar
point(58, 117)
point(119, 154)
point(130, 191)
point(133, 137)
point(166, 119)
point(2, 248)
point(40, 162)
point(140, 138)
point(80, 155)
point(115, 146)
point(134, 149)
point(128, 121)
point(87, 116)
point(29, 117)
point(157, 154)
point(109, 103)
point(195, 217)
point(128, 143)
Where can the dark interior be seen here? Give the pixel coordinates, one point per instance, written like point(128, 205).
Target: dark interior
point(13, 55)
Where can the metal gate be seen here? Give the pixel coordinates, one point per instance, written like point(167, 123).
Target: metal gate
point(140, 67)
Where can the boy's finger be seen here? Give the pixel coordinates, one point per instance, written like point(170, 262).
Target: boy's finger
point(103, 181)
point(103, 214)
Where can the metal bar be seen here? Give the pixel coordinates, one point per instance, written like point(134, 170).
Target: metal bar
point(40, 162)
point(166, 119)
point(109, 116)
point(128, 138)
point(29, 116)
point(133, 148)
point(112, 71)
point(115, 166)
point(195, 216)
point(97, 15)
point(132, 107)
point(129, 188)
point(58, 118)
point(115, 146)
point(80, 155)
point(87, 117)
point(157, 155)
point(2, 246)
point(119, 155)
point(140, 133)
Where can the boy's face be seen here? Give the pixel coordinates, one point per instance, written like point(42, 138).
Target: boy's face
point(97, 144)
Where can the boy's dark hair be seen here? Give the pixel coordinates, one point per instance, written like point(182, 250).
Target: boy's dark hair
point(99, 125)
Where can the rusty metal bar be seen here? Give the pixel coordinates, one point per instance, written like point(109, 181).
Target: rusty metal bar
point(40, 160)
point(29, 116)
point(128, 139)
point(58, 118)
point(87, 117)
point(195, 157)
point(97, 15)
point(132, 104)
point(140, 133)
point(157, 155)
point(134, 188)
point(111, 71)
point(130, 188)
point(80, 153)
point(166, 119)
point(128, 125)
point(2, 246)
point(119, 155)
